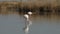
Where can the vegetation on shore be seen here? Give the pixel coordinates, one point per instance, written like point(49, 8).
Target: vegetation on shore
point(37, 7)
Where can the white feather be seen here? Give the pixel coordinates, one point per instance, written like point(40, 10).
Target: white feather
point(26, 16)
point(29, 13)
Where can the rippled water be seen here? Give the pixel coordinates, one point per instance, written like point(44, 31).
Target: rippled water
point(13, 24)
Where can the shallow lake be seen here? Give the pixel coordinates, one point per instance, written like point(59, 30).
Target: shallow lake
point(13, 24)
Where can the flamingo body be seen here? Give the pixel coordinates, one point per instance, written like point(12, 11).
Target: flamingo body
point(26, 29)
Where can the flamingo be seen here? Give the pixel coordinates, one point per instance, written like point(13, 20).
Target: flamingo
point(26, 29)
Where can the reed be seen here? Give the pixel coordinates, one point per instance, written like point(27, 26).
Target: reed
point(37, 6)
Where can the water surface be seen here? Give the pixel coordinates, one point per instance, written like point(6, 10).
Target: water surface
point(13, 24)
